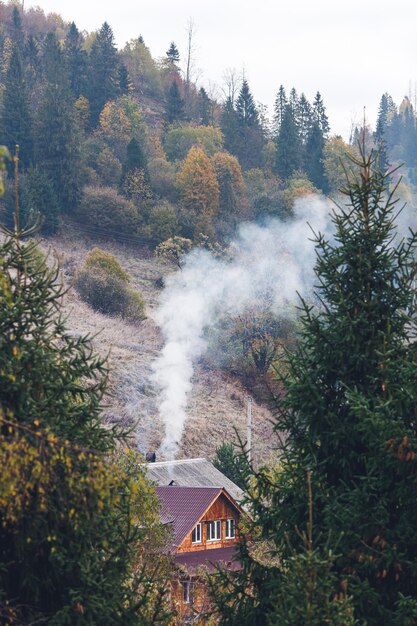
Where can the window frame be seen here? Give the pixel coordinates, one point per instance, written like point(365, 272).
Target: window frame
point(196, 532)
point(230, 523)
point(216, 526)
point(187, 591)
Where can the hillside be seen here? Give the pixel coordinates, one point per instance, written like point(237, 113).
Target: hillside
point(217, 404)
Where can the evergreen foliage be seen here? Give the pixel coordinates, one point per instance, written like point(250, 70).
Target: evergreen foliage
point(232, 464)
point(57, 142)
point(15, 119)
point(279, 108)
point(135, 158)
point(288, 153)
point(349, 414)
point(38, 199)
point(204, 108)
point(173, 54)
point(76, 62)
point(77, 521)
point(174, 108)
point(103, 72)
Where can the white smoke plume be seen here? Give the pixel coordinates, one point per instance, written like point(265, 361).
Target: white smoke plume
point(275, 259)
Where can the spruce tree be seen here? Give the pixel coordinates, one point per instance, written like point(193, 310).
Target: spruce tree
point(320, 115)
point(75, 59)
point(279, 108)
point(103, 72)
point(174, 108)
point(250, 139)
point(76, 520)
point(288, 145)
point(15, 120)
point(125, 84)
point(204, 108)
point(350, 417)
point(135, 160)
point(57, 146)
point(229, 124)
point(313, 157)
point(173, 54)
point(245, 107)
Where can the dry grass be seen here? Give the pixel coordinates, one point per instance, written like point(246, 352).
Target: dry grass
point(217, 404)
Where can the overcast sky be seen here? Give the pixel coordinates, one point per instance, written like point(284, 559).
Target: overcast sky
point(351, 51)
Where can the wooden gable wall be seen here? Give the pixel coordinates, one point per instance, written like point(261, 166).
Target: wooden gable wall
point(222, 509)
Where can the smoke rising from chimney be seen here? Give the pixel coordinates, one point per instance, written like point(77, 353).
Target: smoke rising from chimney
point(276, 259)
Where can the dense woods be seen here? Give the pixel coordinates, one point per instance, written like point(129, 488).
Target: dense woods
point(101, 126)
point(115, 144)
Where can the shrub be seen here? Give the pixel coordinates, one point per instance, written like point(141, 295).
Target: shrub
point(108, 211)
point(179, 141)
point(163, 222)
point(100, 259)
point(108, 167)
point(162, 176)
point(103, 284)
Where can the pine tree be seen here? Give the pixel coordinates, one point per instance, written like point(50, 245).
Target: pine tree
point(250, 139)
point(15, 120)
point(229, 124)
point(74, 537)
point(304, 119)
point(279, 108)
point(103, 72)
point(313, 158)
point(204, 107)
point(57, 146)
point(350, 418)
point(245, 107)
point(288, 150)
point(320, 116)
point(174, 109)
point(32, 60)
point(135, 159)
point(173, 54)
point(75, 59)
point(125, 84)
point(17, 34)
point(38, 199)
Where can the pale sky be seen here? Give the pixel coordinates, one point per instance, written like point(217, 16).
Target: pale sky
point(351, 51)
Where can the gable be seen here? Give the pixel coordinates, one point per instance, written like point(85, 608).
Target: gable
point(187, 506)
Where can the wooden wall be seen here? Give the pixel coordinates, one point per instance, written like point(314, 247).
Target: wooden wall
point(222, 510)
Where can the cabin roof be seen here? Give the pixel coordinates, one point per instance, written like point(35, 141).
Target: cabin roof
point(185, 506)
point(192, 473)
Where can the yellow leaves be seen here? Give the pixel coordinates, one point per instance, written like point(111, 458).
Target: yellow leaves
point(4, 154)
point(223, 163)
point(198, 184)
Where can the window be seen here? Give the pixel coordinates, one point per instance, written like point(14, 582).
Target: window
point(230, 528)
point(214, 530)
point(187, 591)
point(196, 534)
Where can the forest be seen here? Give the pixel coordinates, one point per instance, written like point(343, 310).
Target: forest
point(143, 176)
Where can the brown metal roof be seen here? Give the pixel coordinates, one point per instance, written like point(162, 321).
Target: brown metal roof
point(208, 558)
point(186, 505)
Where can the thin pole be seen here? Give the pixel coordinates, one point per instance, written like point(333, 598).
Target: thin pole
point(249, 428)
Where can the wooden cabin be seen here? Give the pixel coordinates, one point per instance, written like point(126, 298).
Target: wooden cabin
point(205, 530)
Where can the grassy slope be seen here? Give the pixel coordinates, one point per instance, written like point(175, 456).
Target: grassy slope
point(217, 403)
